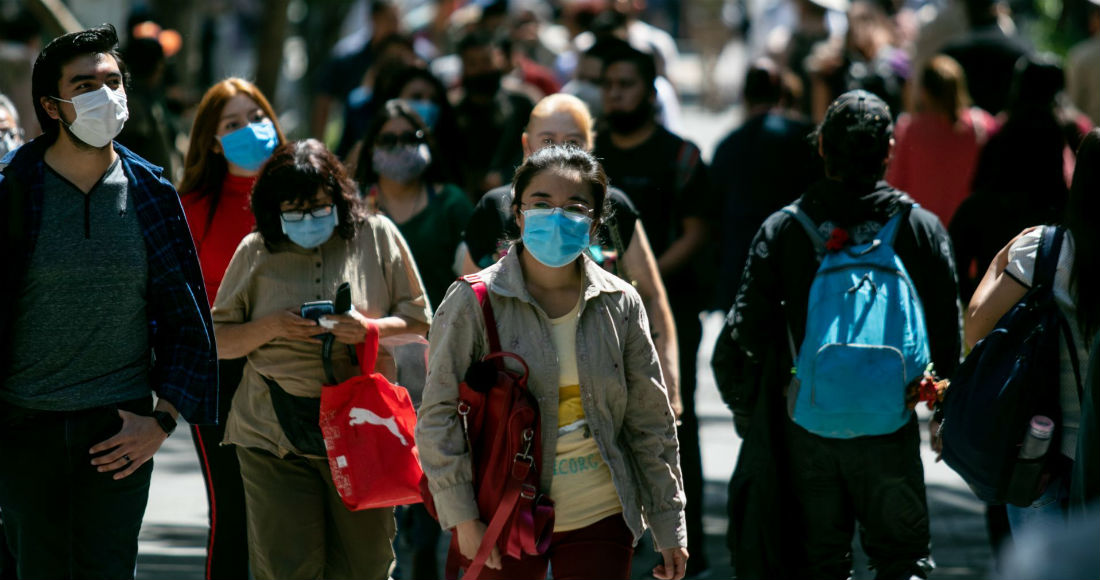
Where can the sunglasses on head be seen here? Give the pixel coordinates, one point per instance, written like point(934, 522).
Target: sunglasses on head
point(394, 140)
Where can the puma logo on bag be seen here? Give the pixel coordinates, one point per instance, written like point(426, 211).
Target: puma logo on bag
point(360, 416)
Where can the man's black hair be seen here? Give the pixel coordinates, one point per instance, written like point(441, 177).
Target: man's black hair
point(763, 83)
point(643, 63)
point(473, 40)
point(60, 51)
point(377, 7)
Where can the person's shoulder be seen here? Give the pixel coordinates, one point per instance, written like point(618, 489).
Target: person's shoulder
point(496, 198)
point(141, 167)
point(620, 201)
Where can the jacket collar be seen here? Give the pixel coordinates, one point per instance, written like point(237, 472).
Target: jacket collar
point(33, 152)
point(505, 278)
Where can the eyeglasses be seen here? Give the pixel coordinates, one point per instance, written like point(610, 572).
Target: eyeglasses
point(297, 215)
point(574, 209)
point(393, 140)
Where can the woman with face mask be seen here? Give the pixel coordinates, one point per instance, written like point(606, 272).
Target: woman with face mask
point(234, 132)
point(399, 176)
point(312, 234)
point(426, 95)
point(610, 453)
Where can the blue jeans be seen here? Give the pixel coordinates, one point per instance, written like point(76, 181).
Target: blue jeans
point(1047, 513)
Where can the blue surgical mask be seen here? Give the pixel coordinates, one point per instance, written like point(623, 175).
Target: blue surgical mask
point(554, 237)
point(311, 231)
point(428, 111)
point(251, 145)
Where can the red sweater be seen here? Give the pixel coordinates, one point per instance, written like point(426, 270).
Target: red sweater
point(934, 160)
point(233, 220)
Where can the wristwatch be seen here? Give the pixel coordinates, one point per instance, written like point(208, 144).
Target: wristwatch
point(165, 420)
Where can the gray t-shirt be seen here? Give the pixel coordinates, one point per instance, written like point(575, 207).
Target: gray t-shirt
point(81, 333)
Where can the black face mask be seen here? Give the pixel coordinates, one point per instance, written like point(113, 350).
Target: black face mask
point(630, 121)
point(484, 84)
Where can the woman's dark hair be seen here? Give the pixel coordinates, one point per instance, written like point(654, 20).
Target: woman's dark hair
point(293, 174)
point(60, 51)
point(1082, 211)
point(393, 109)
point(570, 160)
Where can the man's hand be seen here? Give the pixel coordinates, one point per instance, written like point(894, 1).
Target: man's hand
point(934, 438)
point(134, 444)
point(470, 534)
point(675, 565)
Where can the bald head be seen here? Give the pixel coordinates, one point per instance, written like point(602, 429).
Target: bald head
point(558, 119)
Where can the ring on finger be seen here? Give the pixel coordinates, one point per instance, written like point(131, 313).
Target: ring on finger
point(127, 458)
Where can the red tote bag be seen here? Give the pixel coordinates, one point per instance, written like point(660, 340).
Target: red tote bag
point(368, 425)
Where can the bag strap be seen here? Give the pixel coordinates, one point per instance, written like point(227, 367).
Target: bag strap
point(1046, 260)
point(795, 211)
point(1046, 267)
point(482, 291)
point(512, 492)
point(889, 231)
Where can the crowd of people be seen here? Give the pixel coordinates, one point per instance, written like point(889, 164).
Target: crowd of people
point(149, 282)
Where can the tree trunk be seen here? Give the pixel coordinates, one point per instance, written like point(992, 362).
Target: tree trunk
point(270, 54)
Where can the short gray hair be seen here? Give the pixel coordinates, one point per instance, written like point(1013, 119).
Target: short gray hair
point(6, 103)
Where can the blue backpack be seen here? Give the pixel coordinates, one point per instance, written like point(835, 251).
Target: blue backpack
point(865, 339)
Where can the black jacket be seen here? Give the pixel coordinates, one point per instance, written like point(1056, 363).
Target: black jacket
point(752, 359)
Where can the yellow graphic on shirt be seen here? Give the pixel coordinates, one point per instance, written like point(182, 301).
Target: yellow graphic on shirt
point(570, 408)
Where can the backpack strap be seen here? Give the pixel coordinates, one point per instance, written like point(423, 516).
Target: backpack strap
point(889, 231)
point(1046, 267)
point(795, 210)
point(482, 291)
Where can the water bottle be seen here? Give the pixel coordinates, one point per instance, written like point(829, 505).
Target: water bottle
point(1023, 487)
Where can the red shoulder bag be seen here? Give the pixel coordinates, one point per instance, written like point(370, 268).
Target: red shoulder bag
point(503, 431)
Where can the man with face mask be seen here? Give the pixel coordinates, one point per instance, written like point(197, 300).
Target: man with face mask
point(11, 133)
point(666, 179)
point(104, 307)
point(490, 117)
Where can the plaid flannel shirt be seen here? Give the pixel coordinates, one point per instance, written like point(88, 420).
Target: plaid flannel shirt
point(184, 369)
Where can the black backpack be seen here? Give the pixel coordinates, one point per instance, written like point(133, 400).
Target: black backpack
point(1010, 376)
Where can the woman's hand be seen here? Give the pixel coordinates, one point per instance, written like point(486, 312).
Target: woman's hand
point(287, 324)
point(350, 328)
point(675, 565)
point(470, 534)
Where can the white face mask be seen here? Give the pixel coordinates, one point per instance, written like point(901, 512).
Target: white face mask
point(100, 115)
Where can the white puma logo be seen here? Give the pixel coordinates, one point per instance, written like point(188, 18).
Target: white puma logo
point(360, 416)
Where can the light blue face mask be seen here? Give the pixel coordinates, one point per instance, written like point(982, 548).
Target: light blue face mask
point(251, 145)
point(428, 111)
point(311, 231)
point(554, 237)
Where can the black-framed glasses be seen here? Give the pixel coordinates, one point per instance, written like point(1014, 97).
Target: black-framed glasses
point(394, 140)
point(297, 215)
point(574, 209)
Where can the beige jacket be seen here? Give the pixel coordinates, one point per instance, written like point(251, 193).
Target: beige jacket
point(622, 391)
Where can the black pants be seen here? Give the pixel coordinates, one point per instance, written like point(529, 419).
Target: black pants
point(227, 544)
point(877, 481)
point(62, 518)
point(689, 332)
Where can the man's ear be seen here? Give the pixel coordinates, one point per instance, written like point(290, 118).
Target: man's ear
point(50, 107)
point(526, 147)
